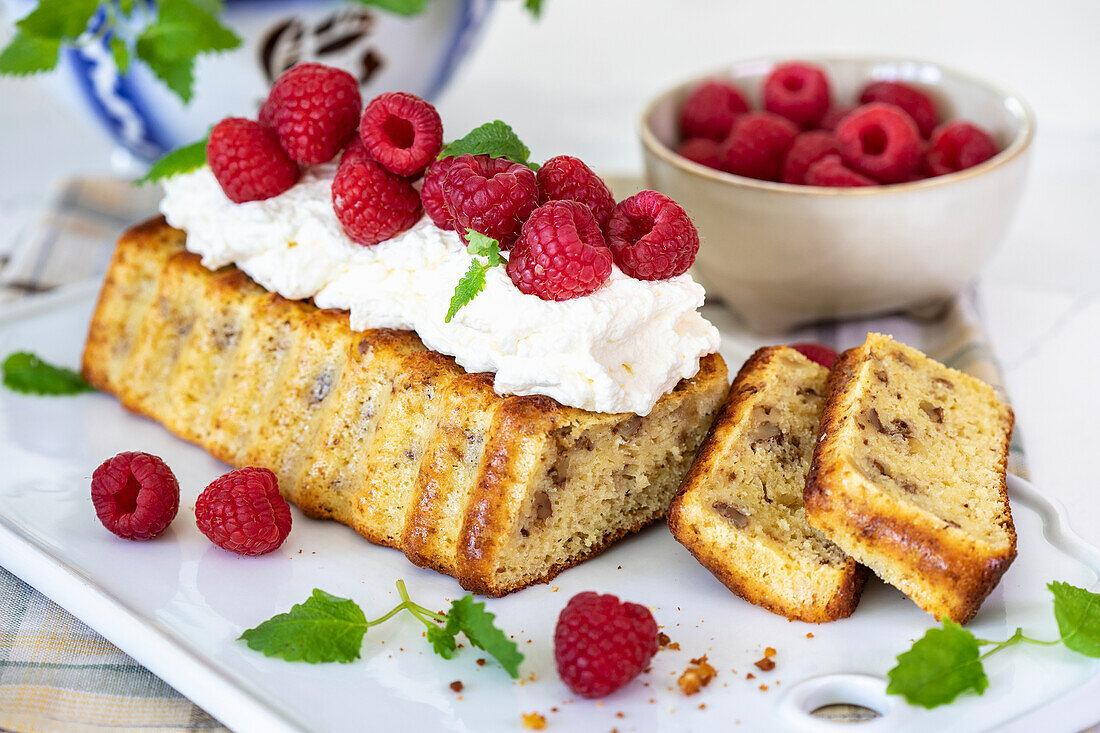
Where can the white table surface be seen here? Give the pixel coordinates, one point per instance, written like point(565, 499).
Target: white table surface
point(576, 82)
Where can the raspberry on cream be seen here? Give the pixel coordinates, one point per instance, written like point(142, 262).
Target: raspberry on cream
point(616, 350)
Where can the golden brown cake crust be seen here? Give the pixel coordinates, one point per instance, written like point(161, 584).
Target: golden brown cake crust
point(369, 428)
point(945, 570)
point(710, 462)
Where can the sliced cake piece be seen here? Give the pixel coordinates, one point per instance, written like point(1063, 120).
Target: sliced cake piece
point(908, 476)
point(739, 509)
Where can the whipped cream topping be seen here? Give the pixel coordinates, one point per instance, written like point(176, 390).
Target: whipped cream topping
point(617, 350)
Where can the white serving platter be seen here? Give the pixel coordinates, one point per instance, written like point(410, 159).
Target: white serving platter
point(177, 604)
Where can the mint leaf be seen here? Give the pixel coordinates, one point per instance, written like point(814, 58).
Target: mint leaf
point(473, 282)
point(180, 160)
point(534, 7)
point(24, 372)
point(940, 665)
point(400, 7)
point(120, 53)
point(325, 628)
point(27, 54)
point(59, 19)
point(183, 30)
point(1078, 615)
point(495, 139)
point(479, 627)
point(442, 639)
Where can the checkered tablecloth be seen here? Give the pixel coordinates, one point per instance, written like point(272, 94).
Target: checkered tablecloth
point(57, 674)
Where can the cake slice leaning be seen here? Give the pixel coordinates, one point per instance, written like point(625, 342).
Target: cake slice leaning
point(372, 429)
point(739, 510)
point(908, 476)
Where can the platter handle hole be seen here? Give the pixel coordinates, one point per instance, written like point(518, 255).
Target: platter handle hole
point(822, 703)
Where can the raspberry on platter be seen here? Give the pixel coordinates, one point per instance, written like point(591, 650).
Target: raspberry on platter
point(651, 237)
point(565, 178)
point(243, 512)
point(248, 162)
point(136, 495)
point(314, 110)
point(372, 204)
point(431, 193)
point(492, 196)
point(819, 353)
point(402, 132)
point(561, 253)
point(601, 644)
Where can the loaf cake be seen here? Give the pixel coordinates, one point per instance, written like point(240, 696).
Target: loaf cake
point(739, 510)
point(375, 431)
point(908, 476)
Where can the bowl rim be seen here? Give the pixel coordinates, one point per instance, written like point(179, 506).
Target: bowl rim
point(1020, 143)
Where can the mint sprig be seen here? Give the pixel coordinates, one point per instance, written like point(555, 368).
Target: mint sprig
point(473, 282)
point(180, 160)
point(495, 139)
point(24, 372)
point(946, 662)
point(399, 7)
point(173, 34)
point(327, 628)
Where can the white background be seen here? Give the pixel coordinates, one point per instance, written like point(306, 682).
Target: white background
point(576, 81)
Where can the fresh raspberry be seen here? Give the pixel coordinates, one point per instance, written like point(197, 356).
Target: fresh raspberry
point(912, 101)
point(651, 237)
point(600, 644)
point(313, 109)
point(561, 253)
point(493, 196)
point(833, 117)
point(354, 149)
point(819, 353)
point(246, 159)
point(799, 92)
point(808, 148)
point(402, 132)
point(431, 193)
point(243, 512)
point(372, 204)
point(136, 495)
point(956, 146)
point(565, 178)
point(881, 141)
point(703, 151)
point(831, 171)
point(710, 110)
point(757, 144)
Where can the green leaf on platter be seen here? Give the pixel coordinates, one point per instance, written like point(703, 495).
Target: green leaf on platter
point(180, 160)
point(442, 639)
point(939, 666)
point(480, 628)
point(120, 53)
point(534, 7)
point(24, 372)
point(27, 54)
point(473, 282)
point(1078, 614)
point(59, 19)
point(399, 7)
point(325, 628)
point(495, 139)
point(182, 30)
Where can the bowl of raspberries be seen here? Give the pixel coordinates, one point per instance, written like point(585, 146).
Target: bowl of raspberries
point(833, 188)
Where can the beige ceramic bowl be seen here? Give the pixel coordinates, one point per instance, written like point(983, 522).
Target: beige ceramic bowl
point(781, 255)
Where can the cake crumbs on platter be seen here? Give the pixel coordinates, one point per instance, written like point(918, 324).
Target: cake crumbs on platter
point(809, 634)
point(750, 676)
point(533, 721)
point(767, 664)
point(481, 662)
point(702, 706)
point(456, 685)
point(697, 676)
point(620, 715)
point(770, 652)
point(764, 688)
